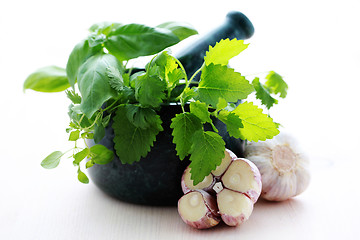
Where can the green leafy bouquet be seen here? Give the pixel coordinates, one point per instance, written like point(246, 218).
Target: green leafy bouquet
point(102, 87)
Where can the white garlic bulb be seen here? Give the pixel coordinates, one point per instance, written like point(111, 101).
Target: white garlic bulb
point(284, 169)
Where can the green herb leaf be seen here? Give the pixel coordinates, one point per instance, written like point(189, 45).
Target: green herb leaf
point(149, 90)
point(168, 68)
point(263, 94)
point(93, 82)
point(74, 135)
point(89, 164)
point(99, 132)
point(207, 151)
point(200, 110)
point(73, 96)
point(78, 56)
point(79, 156)
point(184, 126)
point(104, 27)
point(116, 81)
point(100, 154)
point(143, 41)
point(233, 123)
point(52, 160)
point(222, 103)
point(222, 82)
point(276, 84)
point(180, 29)
point(131, 142)
point(142, 117)
point(47, 79)
point(82, 177)
point(224, 50)
point(257, 125)
point(189, 93)
point(96, 40)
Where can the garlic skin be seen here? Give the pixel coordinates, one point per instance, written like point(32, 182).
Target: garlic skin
point(284, 169)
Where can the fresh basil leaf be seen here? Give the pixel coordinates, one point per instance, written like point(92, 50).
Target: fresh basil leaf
point(104, 27)
point(207, 151)
point(219, 81)
point(184, 126)
point(180, 29)
point(93, 82)
point(82, 177)
point(81, 52)
point(52, 160)
point(100, 154)
point(131, 142)
point(135, 40)
point(96, 40)
point(47, 79)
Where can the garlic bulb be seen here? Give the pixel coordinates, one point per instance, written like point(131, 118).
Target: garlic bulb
point(284, 169)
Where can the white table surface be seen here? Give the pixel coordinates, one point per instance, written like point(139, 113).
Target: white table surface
point(313, 44)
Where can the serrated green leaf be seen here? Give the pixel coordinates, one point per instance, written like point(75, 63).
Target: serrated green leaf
point(222, 103)
point(52, 160)
point(224, 50)
point(101, 154)
point(78, 157)
point(142, 117)
point(73, 96)
point(201, 111)
point(115, 78)
point(74, 135)
point(81, 52)
point(276, 84)
point(149, 90)
point(263, 94)
point(180, 29)
point(207, 151)
point(257, 125)
point(82, 177)
point(219, 81)
point(135, 40)
point(233, 123)
point(47, 79)
point(93, 82)
point(184, 126)
point(189, 93)
point(131, 142)
point(168, 68)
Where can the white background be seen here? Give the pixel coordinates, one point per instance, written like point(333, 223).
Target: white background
point(314, 44)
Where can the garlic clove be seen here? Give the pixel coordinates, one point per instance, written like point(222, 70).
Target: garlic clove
point(284, 169)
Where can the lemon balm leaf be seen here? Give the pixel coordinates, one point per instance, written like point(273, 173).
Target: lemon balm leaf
point(256, 125)
point(207, 151)
point(219, 81)
point(263, 94)
point(276, 84)
point(224, 50)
